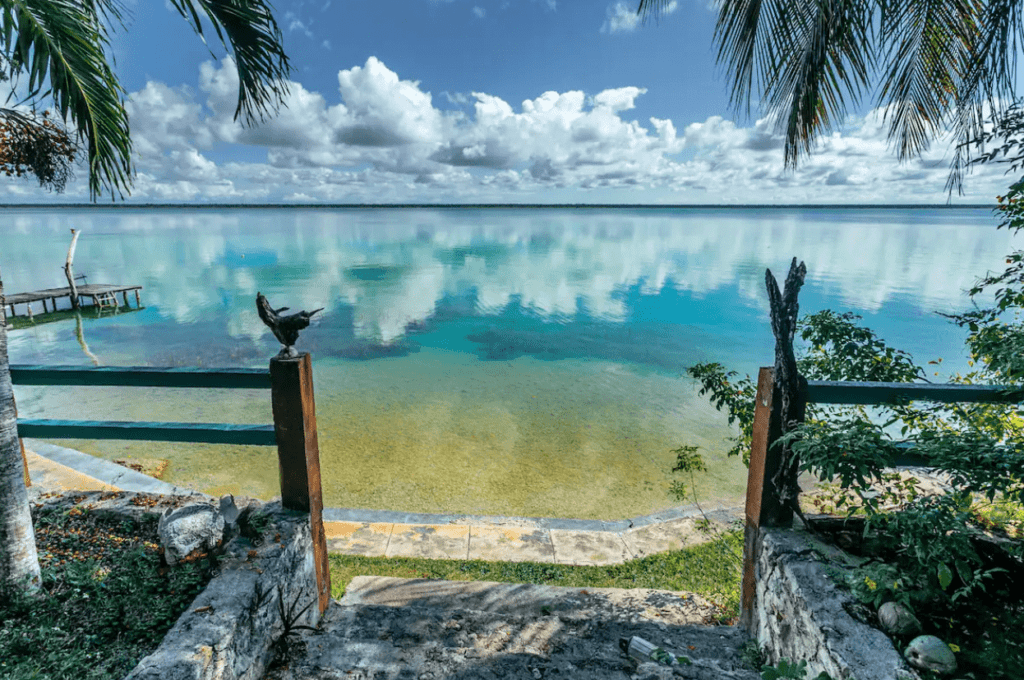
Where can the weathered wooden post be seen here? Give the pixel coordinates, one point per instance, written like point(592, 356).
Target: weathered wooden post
point(298, 454)
point(772, 490)
point(69, 270)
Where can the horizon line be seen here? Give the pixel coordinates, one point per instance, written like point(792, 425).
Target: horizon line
point(902, 206)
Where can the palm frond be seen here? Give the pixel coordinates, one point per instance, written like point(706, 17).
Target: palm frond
point(992, 69)
point(737, 34)
point(249, 28)
point(829, 58)
point(927, 43)
point(988, 78)
point(808, 57)
point(63, 42)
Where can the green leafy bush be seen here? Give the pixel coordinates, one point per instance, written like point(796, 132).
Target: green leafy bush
point(929, 558)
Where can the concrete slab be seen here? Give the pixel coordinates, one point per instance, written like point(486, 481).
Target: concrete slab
point(369, 539)
point(45, 473)
point(483, 596)
point(594, 548)
point(432, 541)
point(106, 472)
point(510, 544)
point(527, 599)
point(400, 629)
point(658, 538)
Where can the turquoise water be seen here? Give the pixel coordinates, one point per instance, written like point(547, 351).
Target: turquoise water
point(489, 361)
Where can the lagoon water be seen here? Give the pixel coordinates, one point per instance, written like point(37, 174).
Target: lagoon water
point(486, 361)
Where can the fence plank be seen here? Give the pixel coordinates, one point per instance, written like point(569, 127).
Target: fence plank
point(141, 376)
point(206, 433)
point(869, 393)
point(298, 453)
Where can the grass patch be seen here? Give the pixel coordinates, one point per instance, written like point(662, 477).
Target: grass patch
point(105, 603)
point(711, 570)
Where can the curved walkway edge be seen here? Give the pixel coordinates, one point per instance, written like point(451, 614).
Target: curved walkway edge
point(384, 533)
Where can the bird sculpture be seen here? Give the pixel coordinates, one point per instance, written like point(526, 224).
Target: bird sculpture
point(286, 328)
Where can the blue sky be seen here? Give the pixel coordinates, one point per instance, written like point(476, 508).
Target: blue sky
point(483, 101)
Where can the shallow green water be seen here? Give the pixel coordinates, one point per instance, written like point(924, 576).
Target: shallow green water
point(487, 362)
point(446, 441)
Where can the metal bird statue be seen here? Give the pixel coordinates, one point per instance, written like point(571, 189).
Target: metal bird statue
point(286, 328)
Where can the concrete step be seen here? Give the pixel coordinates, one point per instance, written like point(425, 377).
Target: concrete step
point(389, 628)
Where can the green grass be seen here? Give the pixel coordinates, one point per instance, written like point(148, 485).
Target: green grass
point(105, 601)
point(711, 570)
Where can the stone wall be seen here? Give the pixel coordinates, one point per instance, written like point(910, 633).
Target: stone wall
point(228, 631)
point(801, 615)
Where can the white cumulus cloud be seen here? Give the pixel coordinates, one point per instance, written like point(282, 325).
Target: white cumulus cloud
point(623, 17)
point(381, 137)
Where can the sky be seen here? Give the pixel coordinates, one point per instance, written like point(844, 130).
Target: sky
point(484, 101)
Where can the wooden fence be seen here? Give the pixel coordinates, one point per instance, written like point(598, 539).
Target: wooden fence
point(762, 507)
point(293, 432)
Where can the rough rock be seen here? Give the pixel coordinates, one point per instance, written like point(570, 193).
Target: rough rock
point(896, 619)
point(193, 529)
point(930, 653)
point(190, 530)
point(229, 630)
point(801, 614)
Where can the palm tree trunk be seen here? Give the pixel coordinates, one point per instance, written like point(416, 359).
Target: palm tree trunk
point(18, 557)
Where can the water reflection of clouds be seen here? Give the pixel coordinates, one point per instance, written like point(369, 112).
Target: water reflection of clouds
point(394, 266)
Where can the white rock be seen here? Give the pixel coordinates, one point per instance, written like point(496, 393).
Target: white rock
point(931, 653)
point(896, 619)
point(190, 529)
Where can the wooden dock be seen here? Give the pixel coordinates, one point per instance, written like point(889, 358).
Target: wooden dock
point(102, 294)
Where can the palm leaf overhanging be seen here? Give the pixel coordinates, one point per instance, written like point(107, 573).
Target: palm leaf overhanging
point(62, 43)
point(943, 65)
point(249, 29)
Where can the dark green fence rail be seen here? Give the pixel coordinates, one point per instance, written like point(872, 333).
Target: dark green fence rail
point(879, 393)
point(145, 376)
point(290, 381)
point(142, 376)
point(204, 433)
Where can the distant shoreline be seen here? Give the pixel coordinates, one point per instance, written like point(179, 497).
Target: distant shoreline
point(547, 206)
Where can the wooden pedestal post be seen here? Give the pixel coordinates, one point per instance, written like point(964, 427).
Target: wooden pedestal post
point(298, 455)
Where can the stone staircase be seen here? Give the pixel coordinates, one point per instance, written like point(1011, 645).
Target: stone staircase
point(421, 629)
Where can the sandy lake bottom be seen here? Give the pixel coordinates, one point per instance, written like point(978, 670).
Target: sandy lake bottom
point(444, 432)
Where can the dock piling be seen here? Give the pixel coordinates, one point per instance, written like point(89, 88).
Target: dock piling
point(101, 294)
